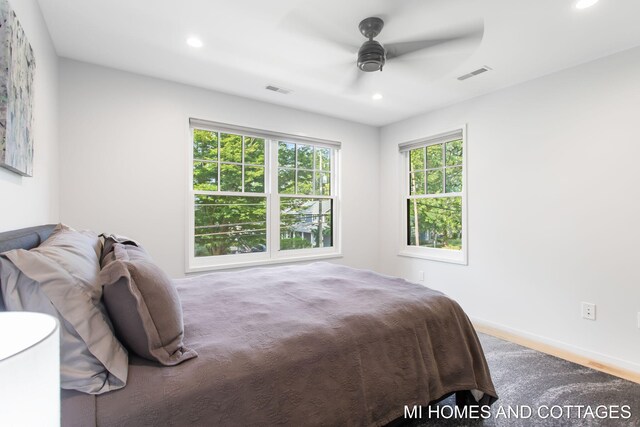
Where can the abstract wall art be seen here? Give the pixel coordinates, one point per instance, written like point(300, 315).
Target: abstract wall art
point(17, 68)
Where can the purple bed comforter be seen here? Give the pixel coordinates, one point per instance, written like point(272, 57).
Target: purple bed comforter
point(319, 344)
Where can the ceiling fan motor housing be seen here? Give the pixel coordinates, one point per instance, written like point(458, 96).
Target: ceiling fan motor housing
point(371, 56)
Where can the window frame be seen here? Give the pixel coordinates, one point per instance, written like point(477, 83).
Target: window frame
point(422, 252)
point(273, 254)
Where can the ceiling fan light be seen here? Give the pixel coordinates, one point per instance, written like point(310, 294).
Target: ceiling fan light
point(370, 66)
point(371, 56)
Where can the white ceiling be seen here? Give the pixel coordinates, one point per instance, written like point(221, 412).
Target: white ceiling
point(249, 44)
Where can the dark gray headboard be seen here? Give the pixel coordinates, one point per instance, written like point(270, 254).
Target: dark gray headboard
point(25, 238)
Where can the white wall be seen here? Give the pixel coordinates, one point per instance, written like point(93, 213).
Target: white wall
point(28, 201)
point(554, 208)
point(124, 158)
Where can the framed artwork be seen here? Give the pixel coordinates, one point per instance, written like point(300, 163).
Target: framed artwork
point(17, 68)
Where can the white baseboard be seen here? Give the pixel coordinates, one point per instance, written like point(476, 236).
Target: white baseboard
point(591, 359)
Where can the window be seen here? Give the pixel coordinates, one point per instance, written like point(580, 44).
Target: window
point(434, 225)
point(258, 197)
point(306, 205)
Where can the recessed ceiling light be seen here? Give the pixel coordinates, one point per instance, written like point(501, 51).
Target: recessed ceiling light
point(583, 4)
point(376, 96)
point(194, 42)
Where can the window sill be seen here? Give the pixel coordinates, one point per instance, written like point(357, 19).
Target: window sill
point(255, 263)
point(440, 255)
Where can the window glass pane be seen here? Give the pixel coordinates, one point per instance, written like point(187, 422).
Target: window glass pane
point(434, 181)
point(205, 145)
point(286, 154)
point(305, 223)
point(305, 156)
point(454, 153)
point(435, 222)
point(205, 176)
point(230, 148)
point(230, 225)
point(286, 181)
point(323, 159)
point(231, 177)
point(305, 182)
point(254, 150)
point(434, 156)
point(417, 159)
point(416, 183)
point(454, 179)
point(253, 179)
point(323, 184)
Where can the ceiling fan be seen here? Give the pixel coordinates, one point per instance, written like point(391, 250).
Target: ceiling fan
point(440, 48)
point(372, 55)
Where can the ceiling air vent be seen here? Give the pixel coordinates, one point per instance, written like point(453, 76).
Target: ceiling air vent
point(279, 90)
point(474, 73)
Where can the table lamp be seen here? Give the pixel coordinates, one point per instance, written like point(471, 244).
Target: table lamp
point(29, 369)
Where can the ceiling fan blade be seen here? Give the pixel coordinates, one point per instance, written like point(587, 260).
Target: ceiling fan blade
point(299, 24)
point(395, 50)
point(356, 82)
point(427, 69)
point(358, 79)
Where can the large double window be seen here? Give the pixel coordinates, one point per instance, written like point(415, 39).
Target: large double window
point(259, 197)
point(434, 197)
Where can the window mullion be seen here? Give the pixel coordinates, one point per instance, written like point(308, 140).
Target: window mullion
point(274, 200)
point(444, 164)
point(219, 165)
point(295, 169)
point(242, 163)
point(313, 173)
point(425, 184)
point(433, 196)
point(407, 174)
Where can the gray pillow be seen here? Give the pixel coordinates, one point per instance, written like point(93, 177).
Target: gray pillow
point(143, 305)
point(107, 246)
point(60, 278)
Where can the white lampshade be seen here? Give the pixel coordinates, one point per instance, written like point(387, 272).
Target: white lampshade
point(29, 369)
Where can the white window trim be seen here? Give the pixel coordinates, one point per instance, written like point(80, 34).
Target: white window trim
point(433, 254)
point(273, 255)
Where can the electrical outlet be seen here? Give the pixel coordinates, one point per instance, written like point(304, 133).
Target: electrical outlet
point(421, 276)
point(588, 311)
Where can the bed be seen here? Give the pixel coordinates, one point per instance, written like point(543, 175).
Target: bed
point(317, 344)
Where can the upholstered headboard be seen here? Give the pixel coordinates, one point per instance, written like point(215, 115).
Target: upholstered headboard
point(25, 238)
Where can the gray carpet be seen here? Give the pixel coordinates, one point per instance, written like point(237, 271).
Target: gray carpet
point(538, 381)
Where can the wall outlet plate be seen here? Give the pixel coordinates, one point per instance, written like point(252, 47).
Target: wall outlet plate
point(588, 311)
